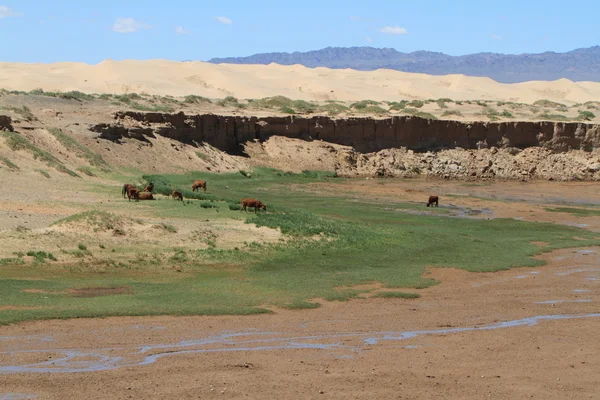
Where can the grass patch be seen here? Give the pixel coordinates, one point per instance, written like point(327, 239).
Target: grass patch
point(16, 141)
point(24, 112)
point(9, 163)
point(193, 99)
point(397, 295)
point(416, 104)
point(331, 242)
point(363, 104)
point(547, 103)
point(41, 256)
point(44, 173)
point(80, 150)
point(586, 115)
point(578, 212)
point(553, 117)
point(333, 108)
point(452, 112)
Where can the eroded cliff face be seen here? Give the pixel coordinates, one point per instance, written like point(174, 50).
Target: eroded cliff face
point(229, 133)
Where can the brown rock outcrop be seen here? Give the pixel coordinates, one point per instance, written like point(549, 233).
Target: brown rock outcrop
point(227, 133)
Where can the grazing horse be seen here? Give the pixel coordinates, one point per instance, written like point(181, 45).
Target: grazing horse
point(126, 187)
point(432, 200)
point(149, 188)
point(134, 193)
point(253, 203)
point(199, 184)
point(177, 195)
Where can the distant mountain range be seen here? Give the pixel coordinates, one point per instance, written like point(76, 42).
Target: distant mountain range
point(577, 65)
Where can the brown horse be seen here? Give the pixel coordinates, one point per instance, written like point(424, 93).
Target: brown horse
point(126, 187)
point(432, 200)
point(252, 203)
point(145, 196)
point(134, 193)
point(198, 184)
point(149, 188)
point(176, 195)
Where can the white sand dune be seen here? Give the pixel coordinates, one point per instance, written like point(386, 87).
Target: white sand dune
point(162, 77)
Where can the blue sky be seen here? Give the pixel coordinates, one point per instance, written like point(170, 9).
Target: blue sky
point(66, 30)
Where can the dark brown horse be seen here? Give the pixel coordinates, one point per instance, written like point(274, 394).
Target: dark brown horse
point(134, 193)
point(432, 200)
point(149, 188)
point(252, 203)
point(199, 184)
point(126, 187)
point(145, 196)
point(176, 195)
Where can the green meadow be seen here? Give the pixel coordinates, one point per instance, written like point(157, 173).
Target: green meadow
point(332, 244)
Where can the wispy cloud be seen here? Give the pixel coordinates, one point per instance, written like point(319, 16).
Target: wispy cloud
point(355, 18)
point(224, 20)
point(7, 12)
point(181, 30)
point(369, 39)
point(393, 30)
point(129, 25)
point(496, 37)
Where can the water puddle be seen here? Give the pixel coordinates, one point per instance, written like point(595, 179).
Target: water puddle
point(576, 271)
point(581, 290)
point(17, 396)
point(564, 301)
point(77, 360)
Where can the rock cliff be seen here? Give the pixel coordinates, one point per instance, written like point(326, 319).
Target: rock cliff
point(229, 133)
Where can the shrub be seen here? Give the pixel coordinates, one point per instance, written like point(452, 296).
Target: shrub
point(193, 99)
point(586, 115)
point(451, 112)
point(361, 105)
point(416, 104)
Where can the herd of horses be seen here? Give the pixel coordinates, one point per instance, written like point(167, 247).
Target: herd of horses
point(132, 192)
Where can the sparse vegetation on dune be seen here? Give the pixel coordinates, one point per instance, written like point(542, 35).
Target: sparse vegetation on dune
point(16, 141)
point(80, 150)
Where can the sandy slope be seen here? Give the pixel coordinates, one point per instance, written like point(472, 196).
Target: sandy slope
point(255, 81)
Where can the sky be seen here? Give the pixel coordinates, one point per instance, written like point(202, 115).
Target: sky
point(90, 31)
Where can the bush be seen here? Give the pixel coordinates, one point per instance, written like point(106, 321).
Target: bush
point(193, 99)
point(361, 105)
point(586, 115)
point(416, 104)
point(452, 112)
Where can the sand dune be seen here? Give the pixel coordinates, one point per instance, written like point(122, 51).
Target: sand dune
point(162, 77)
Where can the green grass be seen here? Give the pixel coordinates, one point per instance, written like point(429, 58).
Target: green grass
point(416, 104)
point(24, 112)
point(363, 104)
point(547, 103)
point(553, 117)
point(9, 163)
point(452, 112)
point(578, 212)
point(80, 150)
point(16, 141)
point(397, 295)
point(152, 108)
point(44, 173)
point(334, 242)
point(41, 256)
point(586, 115)
point(193, 99)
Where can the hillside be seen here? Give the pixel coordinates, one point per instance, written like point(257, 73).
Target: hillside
point(577, 65)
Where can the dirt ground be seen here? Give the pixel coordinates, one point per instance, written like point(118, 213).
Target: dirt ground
point(523, 333)
point(518, 334)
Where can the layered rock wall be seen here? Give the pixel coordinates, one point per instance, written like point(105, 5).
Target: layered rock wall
point(228, 133)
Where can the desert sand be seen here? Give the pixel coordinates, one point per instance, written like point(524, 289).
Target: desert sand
point(163, 77)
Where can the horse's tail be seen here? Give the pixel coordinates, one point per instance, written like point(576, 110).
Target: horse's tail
point(124, 190)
